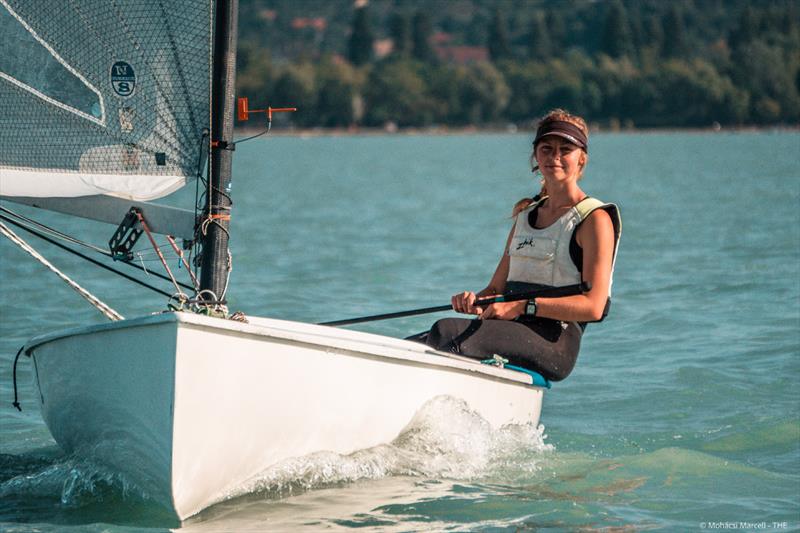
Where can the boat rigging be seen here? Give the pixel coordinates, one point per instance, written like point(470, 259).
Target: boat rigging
point(139, 104)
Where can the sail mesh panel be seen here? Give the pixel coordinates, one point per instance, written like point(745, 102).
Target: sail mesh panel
point(116, 90)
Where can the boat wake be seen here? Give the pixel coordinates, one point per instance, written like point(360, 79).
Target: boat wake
point(445, 439)
point(76, 481)
point(54, 488)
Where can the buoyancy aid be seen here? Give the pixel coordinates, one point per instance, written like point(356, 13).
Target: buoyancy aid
point(542, 256)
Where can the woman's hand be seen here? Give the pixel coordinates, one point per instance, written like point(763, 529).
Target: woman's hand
point(464, 302)
point(504, 310)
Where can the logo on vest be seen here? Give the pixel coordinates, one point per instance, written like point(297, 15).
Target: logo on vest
point(526, 243)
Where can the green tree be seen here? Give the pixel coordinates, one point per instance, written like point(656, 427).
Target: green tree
point(653, 35)
point(484, 93)
point(797, 79)
point(617, 40)
point(557, 29)
point(396, 92)
point(338, 93)
point(636, 25)
point(539, 45)
point(789, 21)
point(694, 94)
point(296, 87)
point(730, 61)
point(767, 73)
point(529, 86)
point(443, 86)
point(421, 37)
point(674, 34)
point(255, 73)
point(644, 101)
point(400, 32)
point(359, 47)
point(610, 77)
point(499, 46)
point(746, 30)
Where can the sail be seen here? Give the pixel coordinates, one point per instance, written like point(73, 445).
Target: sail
point(103, 96)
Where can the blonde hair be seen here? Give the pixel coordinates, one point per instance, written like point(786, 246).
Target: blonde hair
point(555, 115)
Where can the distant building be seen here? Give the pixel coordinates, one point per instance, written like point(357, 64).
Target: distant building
point(462, 55)
point(268, 14)
point(382, 48)
point(441, 38)
point(317, 23)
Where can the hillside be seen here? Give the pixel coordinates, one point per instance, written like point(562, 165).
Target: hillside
point(644, 63)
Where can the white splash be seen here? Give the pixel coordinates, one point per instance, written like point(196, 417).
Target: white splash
point(445, 439)
point(77, 482)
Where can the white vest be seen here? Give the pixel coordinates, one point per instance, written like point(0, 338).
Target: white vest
point(542, 256)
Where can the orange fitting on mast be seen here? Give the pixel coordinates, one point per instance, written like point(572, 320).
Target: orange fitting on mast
point(243, 110)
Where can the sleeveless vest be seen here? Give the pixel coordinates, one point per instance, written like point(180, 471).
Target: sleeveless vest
point(542, 256)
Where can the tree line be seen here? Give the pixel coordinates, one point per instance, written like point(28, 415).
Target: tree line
point(624, 64)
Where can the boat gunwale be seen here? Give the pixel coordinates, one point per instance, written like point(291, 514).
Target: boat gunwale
point(422, 355)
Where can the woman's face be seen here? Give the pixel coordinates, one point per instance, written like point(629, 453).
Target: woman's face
point(559, 159)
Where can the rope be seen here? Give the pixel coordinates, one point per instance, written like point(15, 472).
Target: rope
point(185, 263)
point(158, 252)
point(54, 232)
point(204, 303)
point(228, 275)
point(94, 262)
point(16, 398)
point(65, 237)
point(103, 308)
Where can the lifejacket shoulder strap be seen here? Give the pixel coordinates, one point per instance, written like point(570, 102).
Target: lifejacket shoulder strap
point(588, 205)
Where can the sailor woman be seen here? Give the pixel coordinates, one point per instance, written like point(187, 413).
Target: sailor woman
point(560, 237)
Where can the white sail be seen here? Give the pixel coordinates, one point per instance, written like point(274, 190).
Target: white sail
point(105, 98)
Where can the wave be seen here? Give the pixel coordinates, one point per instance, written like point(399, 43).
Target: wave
point(445, 439)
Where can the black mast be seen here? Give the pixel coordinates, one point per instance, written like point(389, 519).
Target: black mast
point(214, 271)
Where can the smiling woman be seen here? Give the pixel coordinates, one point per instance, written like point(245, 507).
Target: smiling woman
point(560, 236)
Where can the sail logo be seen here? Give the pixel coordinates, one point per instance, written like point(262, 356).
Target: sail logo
point(123, 79)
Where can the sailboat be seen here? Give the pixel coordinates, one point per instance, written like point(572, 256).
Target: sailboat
point(109, 107)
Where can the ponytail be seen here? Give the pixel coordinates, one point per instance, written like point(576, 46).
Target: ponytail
point(523, 204)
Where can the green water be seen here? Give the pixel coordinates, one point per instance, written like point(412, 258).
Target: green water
point(682, 413)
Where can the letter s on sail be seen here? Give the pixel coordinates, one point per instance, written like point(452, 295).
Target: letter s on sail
point(123, 79)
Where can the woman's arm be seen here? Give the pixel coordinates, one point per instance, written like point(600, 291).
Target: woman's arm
point(596, 237)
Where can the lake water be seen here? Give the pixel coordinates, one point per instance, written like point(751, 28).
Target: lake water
point(683, 412)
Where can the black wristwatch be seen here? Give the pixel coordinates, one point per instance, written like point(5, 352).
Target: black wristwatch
point(530, 307)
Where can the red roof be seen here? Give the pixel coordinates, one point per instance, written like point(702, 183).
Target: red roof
point(462, 54)
point(441, 37)
point(318, 23)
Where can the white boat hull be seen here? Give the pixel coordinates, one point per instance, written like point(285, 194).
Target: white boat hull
point(190, 407)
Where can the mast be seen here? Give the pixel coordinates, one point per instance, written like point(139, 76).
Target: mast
point(214, 268)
